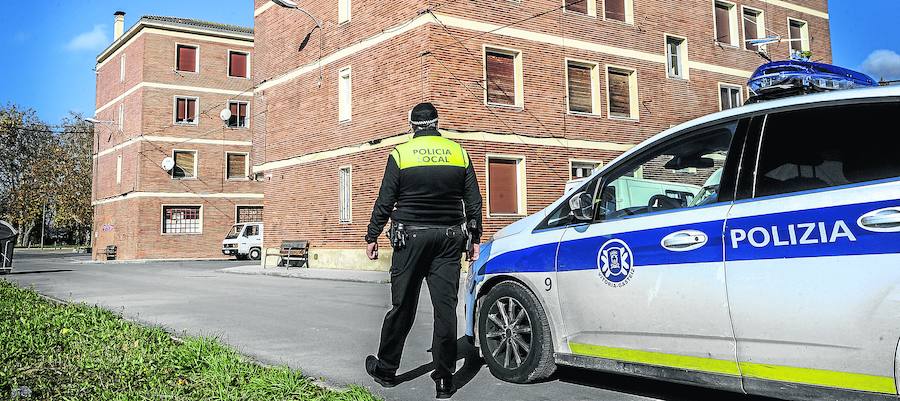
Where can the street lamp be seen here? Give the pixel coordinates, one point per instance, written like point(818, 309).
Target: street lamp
point(289, 4)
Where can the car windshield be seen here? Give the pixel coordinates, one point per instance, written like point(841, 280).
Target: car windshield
point(235, 231)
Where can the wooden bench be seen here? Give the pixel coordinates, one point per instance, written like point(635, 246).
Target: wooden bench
point(110, 252)
point(293, 254)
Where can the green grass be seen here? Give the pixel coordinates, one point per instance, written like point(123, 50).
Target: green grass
point(80, 352)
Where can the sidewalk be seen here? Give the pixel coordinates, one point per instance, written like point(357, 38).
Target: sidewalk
point(359, 276)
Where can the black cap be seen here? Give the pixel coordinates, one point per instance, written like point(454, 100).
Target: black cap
point(423, 114)
point(119, 13)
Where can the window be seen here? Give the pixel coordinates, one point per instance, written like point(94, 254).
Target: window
point(754, 27)
point(726, 23)
point(684, 173)
point(619, 10)
point(503, 77)
point(343, 11)
point(185, 164)
point(582, 169)
point(236, 166)
point(730, 96)
point(799, 35)
point(581, 83)
point(237, 64)
point(828, 151)
point(249, 214)
point(586, 7)
point(505, 181)
point(345, 97)
point(186, 58)
point(238, 117)
point(622, 93)
point(121, 119)
point(182, 220)
point(119, 169)
point(251, 230)
point(676, 53)
point(186, 110)
point(122, 69)
point(345, 186)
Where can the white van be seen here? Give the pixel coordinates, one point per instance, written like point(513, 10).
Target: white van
point(244, 241)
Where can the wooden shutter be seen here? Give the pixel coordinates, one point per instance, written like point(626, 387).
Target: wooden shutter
point(238, 64)
point(180, 109)
point(501, 78)
point(503, 178)
point(723, 23)
point(187, 58)
point(578, 6)
point(233, 120)
point(184, 164)
point(237, 164)
point(750, 27)
point(796, 35)
point(580, 89)
point(190, 112)
point(615, 9)
point(724, 98)
point(619, 94)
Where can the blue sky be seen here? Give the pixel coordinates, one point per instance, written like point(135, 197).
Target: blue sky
point(51, 45)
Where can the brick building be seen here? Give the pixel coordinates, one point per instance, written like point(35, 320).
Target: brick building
point(538, 92)
point(160, 88)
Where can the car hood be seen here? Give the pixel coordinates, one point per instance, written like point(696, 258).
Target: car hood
point(521, 225)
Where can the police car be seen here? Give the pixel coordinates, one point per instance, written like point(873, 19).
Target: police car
point(763, 259)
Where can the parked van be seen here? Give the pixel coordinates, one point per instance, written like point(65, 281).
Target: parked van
point(244, 241)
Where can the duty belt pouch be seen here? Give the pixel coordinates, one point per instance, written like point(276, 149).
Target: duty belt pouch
point(398, 235)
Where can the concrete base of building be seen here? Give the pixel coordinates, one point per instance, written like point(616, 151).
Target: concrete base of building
point(344, 259)
point(133, 261)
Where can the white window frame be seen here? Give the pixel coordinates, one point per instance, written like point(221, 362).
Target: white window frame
point(238, 207)
point(629, 13)
point(596, 102)
point(760, 27)
point(682, 57)
point(345, 100)
point(739, 88)
point(122, 68)
point(162, 218)
point(196, 164)
point(348, 201)
point(228, 63)
point(118, 169)
point(804, 35)
point(521, 185)
point(518, 78)
point(572, 163)
point(246, 176)
point(732, 24)
point(196, 110)
point(634, 112)
point(246, 118)
point(344, 11)
point(196, 58)
point(121, 117)
point(591, 8)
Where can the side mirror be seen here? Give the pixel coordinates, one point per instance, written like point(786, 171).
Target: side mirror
point(582, 206)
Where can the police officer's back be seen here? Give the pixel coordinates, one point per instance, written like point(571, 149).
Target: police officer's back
point(430, 193)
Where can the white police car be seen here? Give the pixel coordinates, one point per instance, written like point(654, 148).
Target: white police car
point(779, 276)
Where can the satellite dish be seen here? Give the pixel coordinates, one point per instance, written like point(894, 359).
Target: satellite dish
point(168, 164)
point(225, 115)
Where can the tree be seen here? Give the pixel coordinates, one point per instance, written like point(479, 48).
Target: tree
point(72, 208)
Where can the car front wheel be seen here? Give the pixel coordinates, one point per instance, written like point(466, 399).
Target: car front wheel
point(514, 334)
point(254, 254)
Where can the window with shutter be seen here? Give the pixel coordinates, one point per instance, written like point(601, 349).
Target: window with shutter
point(751, 27)
point(620, 93)
point(723, 22)
point(578, 6)
point(238, 117)
point(582, 169)
point(616, 10)
point(501, 78)
point(675, 54)
point(249, 214)
point(503, 186)
point(185, 110)
point(236, 166)
point(182, 220)
point(186, 58)
point(581, 87)
point(237, 64)
point(185, 164)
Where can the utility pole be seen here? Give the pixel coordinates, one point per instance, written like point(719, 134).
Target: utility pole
point(43, 223)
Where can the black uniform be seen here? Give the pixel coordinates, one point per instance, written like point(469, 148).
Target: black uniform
point(430, 187)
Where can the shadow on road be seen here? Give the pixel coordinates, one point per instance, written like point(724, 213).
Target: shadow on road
point(465, 351)
point(42, 271)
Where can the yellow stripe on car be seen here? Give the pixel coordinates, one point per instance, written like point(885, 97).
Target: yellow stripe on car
point(816, 377)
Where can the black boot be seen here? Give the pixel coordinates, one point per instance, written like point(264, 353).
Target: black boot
point(385, 380)
point(443, 388)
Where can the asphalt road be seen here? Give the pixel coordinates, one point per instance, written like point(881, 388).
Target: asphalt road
point(323, 328)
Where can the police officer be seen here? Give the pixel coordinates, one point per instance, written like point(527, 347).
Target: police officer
point(431, 195)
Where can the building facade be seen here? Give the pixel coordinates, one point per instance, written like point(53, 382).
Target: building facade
point(170, 176)
point(538, 92)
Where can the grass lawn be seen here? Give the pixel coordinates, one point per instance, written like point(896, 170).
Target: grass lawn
point(79, 352)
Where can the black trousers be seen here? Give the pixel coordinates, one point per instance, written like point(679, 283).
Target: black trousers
point(433, 255)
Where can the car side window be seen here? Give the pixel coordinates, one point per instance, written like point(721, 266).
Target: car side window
point(251, 231)
point(828, 146)
point(679, 174)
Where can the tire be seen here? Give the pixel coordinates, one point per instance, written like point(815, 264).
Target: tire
point(254, 254)
point(501, 345)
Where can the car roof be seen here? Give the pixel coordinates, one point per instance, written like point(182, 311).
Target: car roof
point(757, 108)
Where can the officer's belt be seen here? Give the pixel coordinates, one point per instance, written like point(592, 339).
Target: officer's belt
point(420, 228)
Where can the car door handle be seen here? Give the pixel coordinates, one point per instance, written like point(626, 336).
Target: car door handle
point(881, 220)
point(686, 240)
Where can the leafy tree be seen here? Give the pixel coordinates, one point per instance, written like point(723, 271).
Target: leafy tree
point(72, 210)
